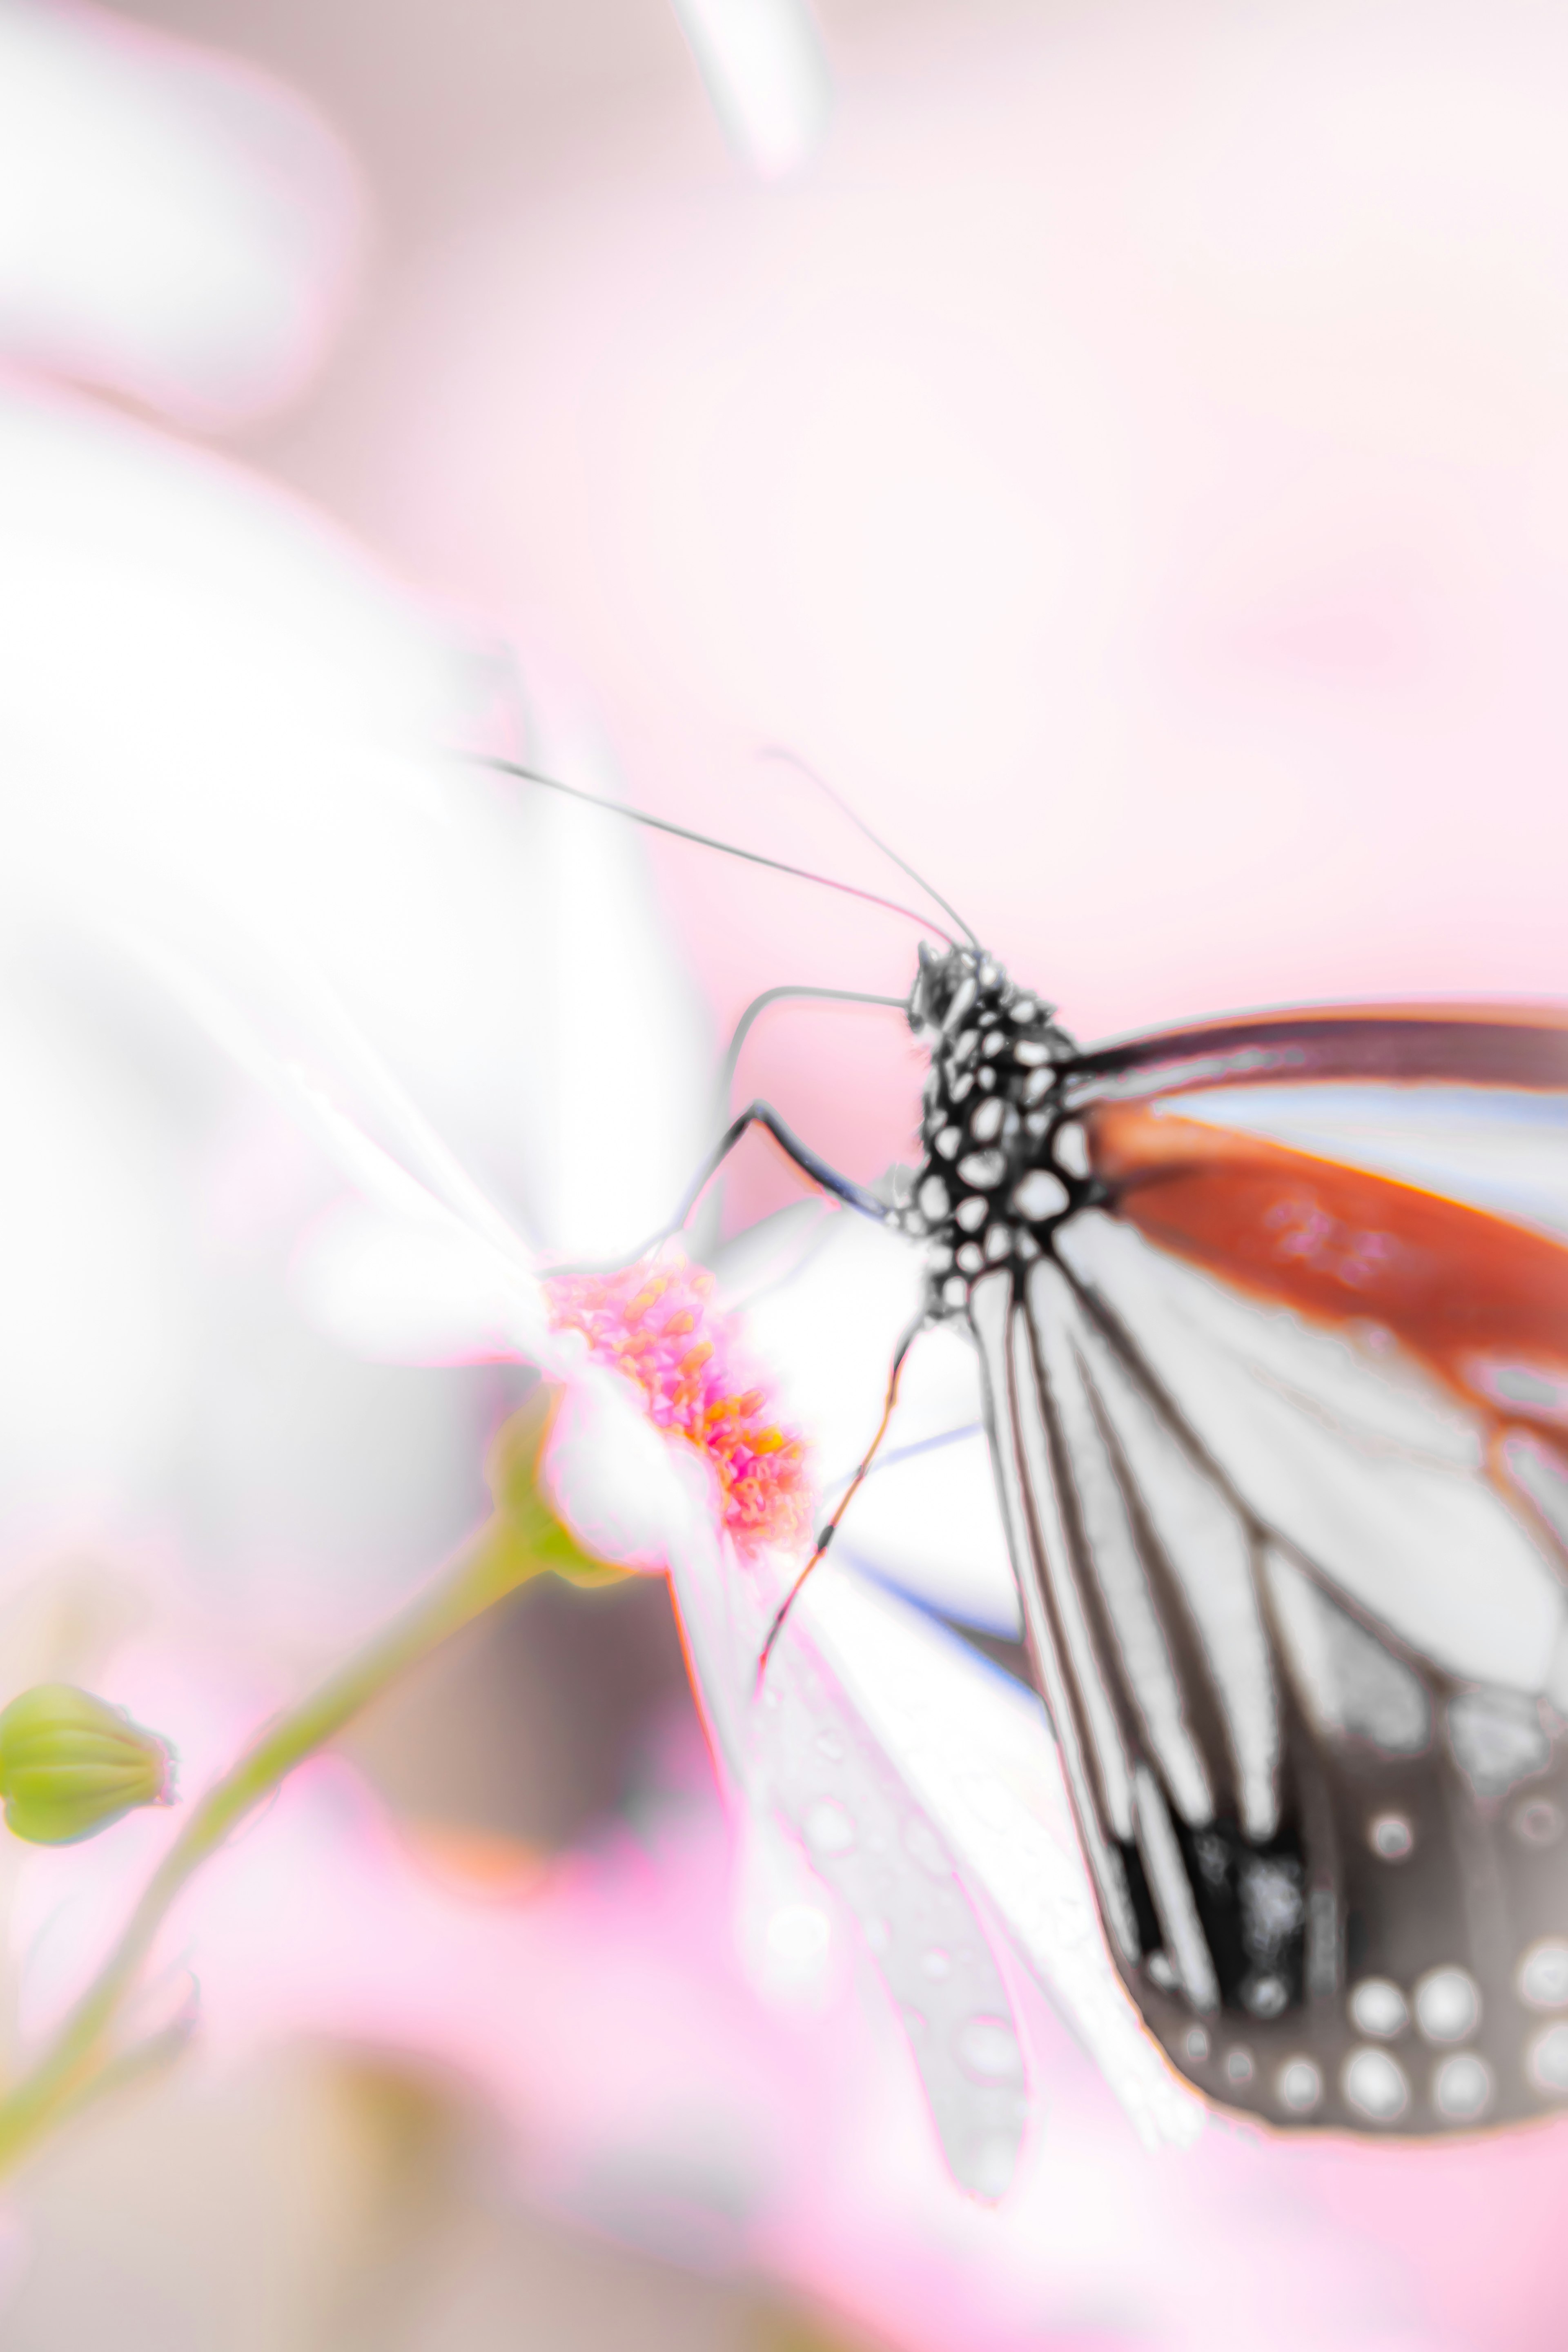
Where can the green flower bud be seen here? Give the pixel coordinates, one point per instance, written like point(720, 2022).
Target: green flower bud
point(71, 1764)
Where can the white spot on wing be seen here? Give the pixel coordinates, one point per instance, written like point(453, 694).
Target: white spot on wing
point(1462, 2087)
point(1543, 1975)
point(1377, 2008)
point(1546, 2061)
point(1447, 2005)
point(1374, 2084)
point(1299, 2085)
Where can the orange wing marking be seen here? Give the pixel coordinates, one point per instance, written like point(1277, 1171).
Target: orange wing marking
point(1482, 1301)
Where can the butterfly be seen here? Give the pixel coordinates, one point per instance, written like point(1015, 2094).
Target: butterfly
point(1277, 1401)
point(1273, 1328)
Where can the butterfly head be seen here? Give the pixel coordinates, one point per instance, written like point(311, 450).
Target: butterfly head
point(947, 987)
point(990, 1186)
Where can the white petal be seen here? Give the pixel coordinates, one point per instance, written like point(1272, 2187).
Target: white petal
point(621, 1485)
point(802, 1749)
point(400, 1290)
point(767, 76)
point(611, 1051)
point(822, 1766)
point(170, 223)
point(975, 1749)
point(930, 1526)
point(101, 1309)
point(834, 1294)
point(784, 1919)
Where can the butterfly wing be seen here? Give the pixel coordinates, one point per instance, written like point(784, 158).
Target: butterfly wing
point(1282, 1440)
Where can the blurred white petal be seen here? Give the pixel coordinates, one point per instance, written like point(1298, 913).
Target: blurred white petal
point(100, 1305)
point(448, 1205)
point(222, 723)
point(626, 1492)
point(844, 1791)
point(977, 1750)
point(767, 76)
point(827, 1298)
point(615, 1055)
point(171, 224)
point(784, 1918)
point(399, 1290)
point(800, 1748)
point(203, 678)
point(930, 1526)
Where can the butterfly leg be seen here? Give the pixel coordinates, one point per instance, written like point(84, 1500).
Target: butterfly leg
point(762, 1114)
point(757, 1114)
point(896, 1374)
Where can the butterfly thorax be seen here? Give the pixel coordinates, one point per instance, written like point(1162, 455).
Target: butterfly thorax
point(1003, 1163)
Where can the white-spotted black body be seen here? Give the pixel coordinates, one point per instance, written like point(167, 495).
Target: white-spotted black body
point(1002, 1166)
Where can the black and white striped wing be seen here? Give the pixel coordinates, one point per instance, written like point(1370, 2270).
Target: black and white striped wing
point(1279, 1439)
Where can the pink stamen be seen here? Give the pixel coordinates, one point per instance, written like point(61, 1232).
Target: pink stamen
point(657, 1323)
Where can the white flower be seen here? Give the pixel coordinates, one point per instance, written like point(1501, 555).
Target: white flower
point(219, 726)
point(922, 1782)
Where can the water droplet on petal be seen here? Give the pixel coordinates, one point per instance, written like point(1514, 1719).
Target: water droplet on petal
point(798, 1931)
point(923, 1845)
point(830, 1744)
point(936, 1963)
point(829, 1827)
point(987, 2050)
point(991, 2166)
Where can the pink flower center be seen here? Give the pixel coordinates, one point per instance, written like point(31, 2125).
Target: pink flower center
point(656, 1322)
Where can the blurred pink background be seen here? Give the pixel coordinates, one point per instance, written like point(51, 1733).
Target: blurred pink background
point(1129, 462)
point(1124, 450)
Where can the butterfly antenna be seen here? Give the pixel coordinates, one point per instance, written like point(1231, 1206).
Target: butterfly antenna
point(706, 840)
point(794, 760)
point(828, 1533)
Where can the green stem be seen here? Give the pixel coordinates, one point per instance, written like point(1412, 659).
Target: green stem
point(520, 1541)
